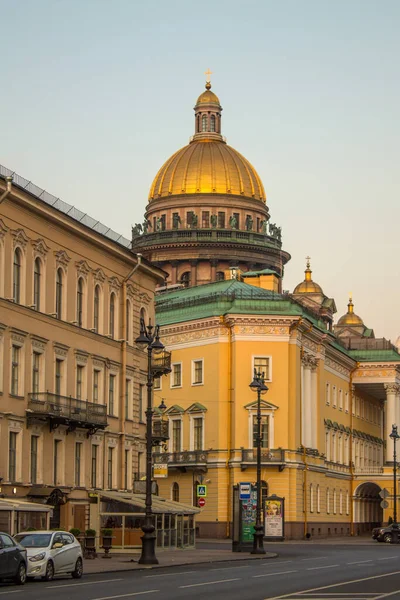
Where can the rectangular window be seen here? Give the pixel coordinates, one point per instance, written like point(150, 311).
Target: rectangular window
point(205, 218)
point(34, 458)
point(197, 372)
point(59, 365)
point(141, 411)
point(157, 383)
point(15, 365)
point(12, 456)
point(236, 216)
point(57, 446)
point(176, 435)
point(221, 220)
point(110, 468)
point(258, 224)
point(127, 397)
point(79, 381)
point(177, 375)
point(78, 455)
point(189, 217)
point(264, 431)
point(111, 389)
point(93, 478)
point(35, 372)
point(262, 364)
point(198, 433)
point(126, 468)
point(96, 377)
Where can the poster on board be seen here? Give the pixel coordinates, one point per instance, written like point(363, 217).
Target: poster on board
point(274, 517)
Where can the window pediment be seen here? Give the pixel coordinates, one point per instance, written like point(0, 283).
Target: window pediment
point(196, 408)
point(264, 405)
point(175, 410)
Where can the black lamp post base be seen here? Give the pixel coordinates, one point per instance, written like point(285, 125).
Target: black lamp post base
point(258, 543)
point(148, 556)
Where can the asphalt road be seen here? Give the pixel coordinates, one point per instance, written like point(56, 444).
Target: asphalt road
point(301, 572)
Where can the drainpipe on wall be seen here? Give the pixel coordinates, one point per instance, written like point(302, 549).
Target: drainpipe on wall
point(304, 455)
point(351, 465)
point(229, 427)
point(9, 180)
point(124, 342)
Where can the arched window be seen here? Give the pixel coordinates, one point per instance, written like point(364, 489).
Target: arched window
point(175, 492)
point(37, 272)
point(185, 278)
point(112, 316)
point(204, 123)
point(220, 276)
point(59, 293)
point(79, 302)
point(127, 321)
point(212, 123)
point(143, 314)
point(17, 276)
point(96, 309)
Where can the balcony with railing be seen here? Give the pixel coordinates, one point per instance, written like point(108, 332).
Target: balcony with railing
point(369, 470)
point(198, 235)
point(269, 458)
point(161, 363)
point(65, 410)
point(193, 459)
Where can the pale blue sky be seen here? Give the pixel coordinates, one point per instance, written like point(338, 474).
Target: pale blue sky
point(95, 95)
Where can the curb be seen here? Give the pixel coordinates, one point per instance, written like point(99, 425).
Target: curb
point(178, 564)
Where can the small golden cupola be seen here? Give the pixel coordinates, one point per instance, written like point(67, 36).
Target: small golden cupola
point(350, 319)
point(308, 286)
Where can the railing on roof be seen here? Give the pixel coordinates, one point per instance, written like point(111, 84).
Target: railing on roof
point(64, 207)
point(367, 344)
point(207, 235)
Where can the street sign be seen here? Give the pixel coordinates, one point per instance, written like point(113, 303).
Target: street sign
point(384, 493)
point(384, 504)
point(160, 471)
point(202, 491)
point(202, 502)
point(244, 491)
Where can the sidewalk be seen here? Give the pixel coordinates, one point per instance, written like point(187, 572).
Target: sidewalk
point(168, 558)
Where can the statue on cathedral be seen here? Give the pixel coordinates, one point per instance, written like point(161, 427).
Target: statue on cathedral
point(137, 230)
point(233, 222)
point(146, 225)
point(275, 232)
point(264, 225)
point(192, 220)
point(176, 221)
point(159, 224)
point(249, 223)
point(214, 220)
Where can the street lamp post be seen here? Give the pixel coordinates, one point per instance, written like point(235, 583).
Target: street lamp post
point(395, 528)
point(258, 385)
point(152, 340)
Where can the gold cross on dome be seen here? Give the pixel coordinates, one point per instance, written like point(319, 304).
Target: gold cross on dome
point(207, 74)
point(308, 258)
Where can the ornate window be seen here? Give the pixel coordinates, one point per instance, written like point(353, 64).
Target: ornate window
point(59, 293)
point(112, 316)
point(212, 123)
point(96, 309)
point(37, 273)
point(17, 276)
point(79, 303)
point(204, 123)
point(175, 492)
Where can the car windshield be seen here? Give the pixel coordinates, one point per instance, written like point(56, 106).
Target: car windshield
point(33, 540)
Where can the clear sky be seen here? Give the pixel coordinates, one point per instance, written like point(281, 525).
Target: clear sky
point(96, 94)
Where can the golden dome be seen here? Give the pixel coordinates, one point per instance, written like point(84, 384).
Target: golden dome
point(308, 286)
point(350, 318)
point(208, 97)
point(207, 166)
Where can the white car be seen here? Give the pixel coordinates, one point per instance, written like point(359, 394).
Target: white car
point(51, 553)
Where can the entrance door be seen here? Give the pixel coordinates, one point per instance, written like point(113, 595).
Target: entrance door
point(80, 517)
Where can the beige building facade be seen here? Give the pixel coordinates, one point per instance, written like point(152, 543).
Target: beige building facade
point(72, 382)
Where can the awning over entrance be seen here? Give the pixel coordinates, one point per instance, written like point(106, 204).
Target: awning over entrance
point(159, 505)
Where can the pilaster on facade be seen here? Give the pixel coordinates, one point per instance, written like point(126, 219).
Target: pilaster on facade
point(392, 415)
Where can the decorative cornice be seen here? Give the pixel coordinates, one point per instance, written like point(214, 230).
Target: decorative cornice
point(144, 298)
point(39, 343)
point(40, 247)
point(3, 229)
point(62, 258)
point(337, 367)
point(98, 276)
point(82, 269)
point(60, 349)
point(19, 238)
point(114, 283)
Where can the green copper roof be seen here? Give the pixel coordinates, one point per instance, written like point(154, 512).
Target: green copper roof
point(372, 355)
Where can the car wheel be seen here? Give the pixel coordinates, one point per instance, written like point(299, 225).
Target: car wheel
point(49, 575)
point(20, 577)
point(387, 538)
point(77, 574)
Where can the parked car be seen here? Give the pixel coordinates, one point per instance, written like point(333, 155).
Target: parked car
point(51, 553)
point(13, 560)
point(384, 534)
